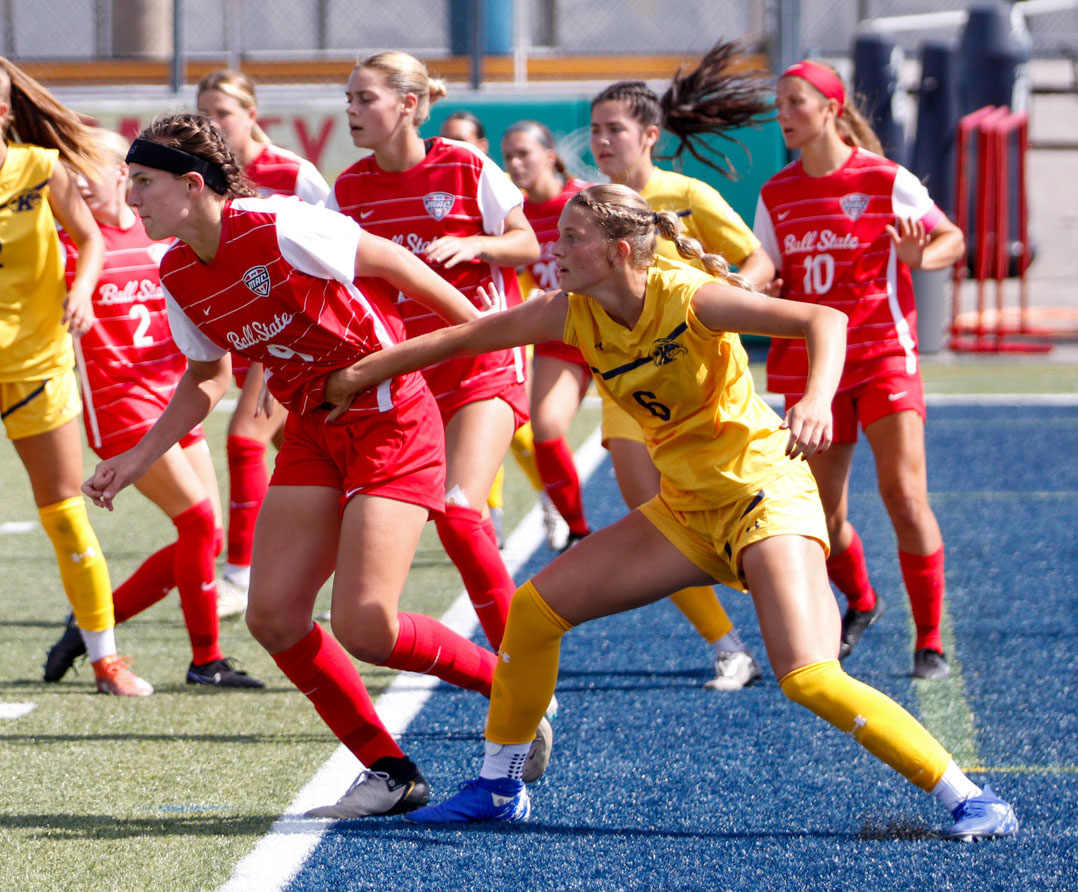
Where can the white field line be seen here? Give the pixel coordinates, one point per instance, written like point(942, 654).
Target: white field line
point(15, 710)
point(278, 856)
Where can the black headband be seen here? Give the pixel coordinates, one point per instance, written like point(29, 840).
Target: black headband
point(153, 154)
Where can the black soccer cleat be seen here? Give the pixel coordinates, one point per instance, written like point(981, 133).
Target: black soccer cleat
point(221, 674)
point(854, 624)
point(930, 663)
point(63, 653)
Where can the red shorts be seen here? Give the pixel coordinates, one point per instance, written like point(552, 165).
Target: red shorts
point(872, 401)
point(559, 350)
point(460, 382)
point(114, 427)
point(240, 366)
point(399, 454)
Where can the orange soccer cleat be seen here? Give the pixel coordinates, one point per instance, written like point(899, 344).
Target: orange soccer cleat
point(114, 676)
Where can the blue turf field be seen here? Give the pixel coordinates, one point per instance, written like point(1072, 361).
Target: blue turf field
point(659, 784)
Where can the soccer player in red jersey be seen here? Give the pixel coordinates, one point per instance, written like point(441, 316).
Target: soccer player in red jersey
point(449, 204)
point(844, 225)
point(304, 291)
point(228, 99)
point(560, 376)
point(130, 367)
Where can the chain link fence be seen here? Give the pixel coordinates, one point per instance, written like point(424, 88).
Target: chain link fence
point(522, 40)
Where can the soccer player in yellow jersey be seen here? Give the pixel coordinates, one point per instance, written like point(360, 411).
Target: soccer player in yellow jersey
point(627, 119)
point(737, 505)
point(39, 397)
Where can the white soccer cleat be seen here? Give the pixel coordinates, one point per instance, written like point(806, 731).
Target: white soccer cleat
point(231, 598)
point(734, 670)
point(554, 525)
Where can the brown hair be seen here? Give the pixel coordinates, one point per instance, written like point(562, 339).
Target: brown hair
point(709, 99)
point(38, 117)
point(621, 213)
point(406, 74)
point(195, 135)
point(542, 135)
point(852, 125)
point(238, 86)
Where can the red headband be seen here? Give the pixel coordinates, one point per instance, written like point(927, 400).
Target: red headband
point(822, 78)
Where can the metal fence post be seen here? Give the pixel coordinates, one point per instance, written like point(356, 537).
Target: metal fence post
point(177, 76)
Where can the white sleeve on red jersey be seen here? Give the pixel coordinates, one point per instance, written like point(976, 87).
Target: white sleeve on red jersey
point(192, 342)
point(910, 200)
point(311, 186)
point(331, 200)
point(318, 241)
point(497, 195)
point(764, 228)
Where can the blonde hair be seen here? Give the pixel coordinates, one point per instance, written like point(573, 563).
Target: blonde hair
point(238, 86)
point(406, 74)
point(622, 214)
point(852, 125)
point(112, 145)
point(38, 117)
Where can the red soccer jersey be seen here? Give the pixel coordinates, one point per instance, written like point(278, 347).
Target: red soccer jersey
point(455, 190)
point(544, 216)
point(129, 349)
point(827, 239)
point(281, 172)
point(280, 291)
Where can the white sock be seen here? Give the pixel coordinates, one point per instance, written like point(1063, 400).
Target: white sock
point(729, 643)
point(954, 788)
point(99, 644)
point(241, 575)
point(504, 760)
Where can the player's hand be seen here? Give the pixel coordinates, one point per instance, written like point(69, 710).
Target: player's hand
point(910, 239)
point(111, 476)
point(450, 250)
point(489, 299)
point(809, 423)
point(342, 387)
point(78, 313)
point(774, 288)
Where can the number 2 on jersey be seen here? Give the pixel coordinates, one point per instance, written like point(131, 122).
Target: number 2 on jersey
point(819, 273)
point(140, 313)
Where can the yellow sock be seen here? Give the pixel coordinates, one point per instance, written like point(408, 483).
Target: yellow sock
point(523, 449)
point(527, 668)
point(83, 570)
point(872, 718)
point(704, 610)
point(496, 499)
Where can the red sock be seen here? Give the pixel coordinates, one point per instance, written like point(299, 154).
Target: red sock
point(489, 584)
point(426, 645)
point(923, 575)
point(554, 459)
point(196, 577)
point(218, 540)
point(154, 579)
point(247, 485)
point(326, 675)
point(849, 572)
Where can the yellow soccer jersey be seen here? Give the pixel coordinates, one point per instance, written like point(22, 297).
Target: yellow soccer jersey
point(712, 221)
point(711, 437)
point(33, 343)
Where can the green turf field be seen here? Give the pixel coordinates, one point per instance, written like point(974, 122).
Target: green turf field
point(170, 791)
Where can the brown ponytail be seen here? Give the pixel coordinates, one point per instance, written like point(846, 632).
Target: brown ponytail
point(195, 135)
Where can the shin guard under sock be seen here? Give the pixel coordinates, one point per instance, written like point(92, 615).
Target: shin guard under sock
point(703, 609)
point(849, 572)
point(248, 481)
point(427, 646)
point(925, 582)
point(326, 675)
point(83, 571)
point(554, 459)
point(195, 567)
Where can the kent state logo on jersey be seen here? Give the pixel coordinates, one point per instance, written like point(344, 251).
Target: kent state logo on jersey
point(438, 204)
point(666, 350)
point(27, 200)
point(854, 204)
point(258, 280)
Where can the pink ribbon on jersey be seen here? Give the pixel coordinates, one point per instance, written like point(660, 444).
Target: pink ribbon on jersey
point(822, 78)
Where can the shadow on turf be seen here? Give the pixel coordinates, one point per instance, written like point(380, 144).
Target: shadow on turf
point(102, 827)
point(398, 830)
point(171, 737)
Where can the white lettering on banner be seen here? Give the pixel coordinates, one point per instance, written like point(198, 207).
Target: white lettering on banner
point(825, 240)
point(258, 332)
point(110, 295)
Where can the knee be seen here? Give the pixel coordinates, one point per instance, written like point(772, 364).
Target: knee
point(274, 630)
point(807, 685)
point(368, 633)
point(907, 504)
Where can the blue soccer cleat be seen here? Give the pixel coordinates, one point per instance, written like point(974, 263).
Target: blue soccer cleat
point(482, 799)
point(982, 817)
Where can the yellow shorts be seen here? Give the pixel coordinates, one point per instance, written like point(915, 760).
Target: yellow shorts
point(30, 408)
point(713, 539)
point(617, 424)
